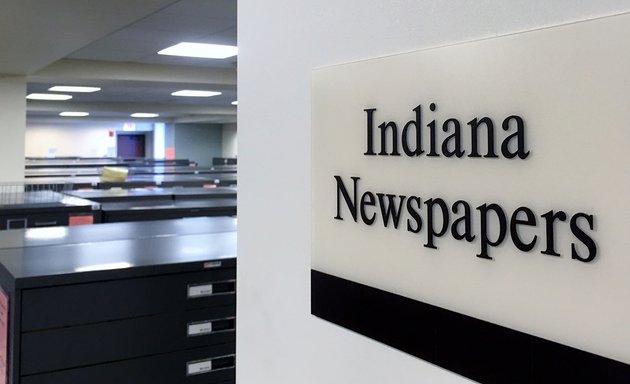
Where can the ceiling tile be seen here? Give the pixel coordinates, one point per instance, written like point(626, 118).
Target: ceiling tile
point(225, 9)
point(206, 21)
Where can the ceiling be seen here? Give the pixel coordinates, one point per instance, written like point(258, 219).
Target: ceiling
point(113, 44)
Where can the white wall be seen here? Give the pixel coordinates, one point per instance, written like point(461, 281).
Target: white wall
point(229, 137)
point(80, 138)
point(280, 41)
point(198, 142)
point(85, 139)
point(12, 123)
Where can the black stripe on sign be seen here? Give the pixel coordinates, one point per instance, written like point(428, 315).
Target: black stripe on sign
point(477, 349)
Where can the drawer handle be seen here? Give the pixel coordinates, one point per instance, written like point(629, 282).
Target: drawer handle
point(45, 223)
point(214, 364)
point(201, 328)
point(211, 289)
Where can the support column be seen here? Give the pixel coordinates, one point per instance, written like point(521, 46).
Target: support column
point(12, 127)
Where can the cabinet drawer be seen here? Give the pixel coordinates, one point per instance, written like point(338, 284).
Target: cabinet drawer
point(68, 305)
point(70, 347)
point(33, 220)
point(198, 366)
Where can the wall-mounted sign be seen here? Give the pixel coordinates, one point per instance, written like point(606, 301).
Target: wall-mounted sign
point(470, 203)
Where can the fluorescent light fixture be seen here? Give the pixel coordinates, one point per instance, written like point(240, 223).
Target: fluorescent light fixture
point(48, 96)
point(206, 51)
point(192, 93)
point(235, 102)
point(144, 115)
point(74, 114)
point(64, 88)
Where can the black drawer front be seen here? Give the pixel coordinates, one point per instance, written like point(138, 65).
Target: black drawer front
point(68, 305)
point(33, 220)
point(171, 368)
point(70, 347)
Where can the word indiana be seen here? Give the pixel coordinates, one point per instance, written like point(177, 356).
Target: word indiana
point(411, 137)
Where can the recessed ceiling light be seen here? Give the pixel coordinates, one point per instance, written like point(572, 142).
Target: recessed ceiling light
point(74, 114)
point(235, 102)
point(191, 93)
point(48, 96)
point(64, 88)
point(207, 51)
point(144, 115)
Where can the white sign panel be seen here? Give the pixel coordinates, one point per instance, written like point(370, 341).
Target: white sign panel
point(488, 178)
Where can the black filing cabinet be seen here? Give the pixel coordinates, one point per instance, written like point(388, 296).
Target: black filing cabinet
point(45, 209)
point(126, 311)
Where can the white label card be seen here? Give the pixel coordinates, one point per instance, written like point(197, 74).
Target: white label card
point(211, 264)
point(198, 367)
point(202, 328)
point(201, 290)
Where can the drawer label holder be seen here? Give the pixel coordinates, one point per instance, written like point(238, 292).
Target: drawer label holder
point(200, 328)
point(206, 327)
point(199, 367)
point(200, 290)
point(212, 264)
point(225, 287)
